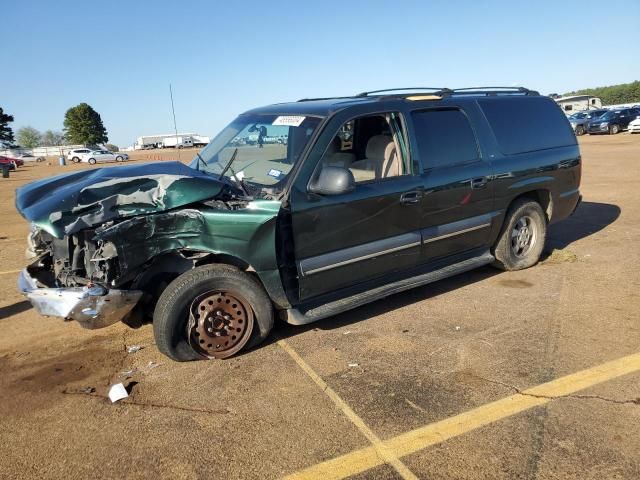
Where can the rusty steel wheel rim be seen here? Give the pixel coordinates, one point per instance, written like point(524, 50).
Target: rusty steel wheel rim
point(220, 323)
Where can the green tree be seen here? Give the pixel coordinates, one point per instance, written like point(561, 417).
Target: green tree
point(6, 134)
point(28, 137)
point(52, 139)
point(83, 125)
point(112, 148)
point(614, 94)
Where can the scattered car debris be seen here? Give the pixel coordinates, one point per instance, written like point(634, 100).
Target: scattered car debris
point(152, 365)
point(134, 348)
point(347, 332)
point(117, 392)
point(457, 328)
point(354, 364)
point(86, 390)
point(128, 373)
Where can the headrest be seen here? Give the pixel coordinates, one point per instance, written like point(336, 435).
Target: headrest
point(377, 145)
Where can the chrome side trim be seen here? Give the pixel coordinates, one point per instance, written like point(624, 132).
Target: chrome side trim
point(453, 234)
point(347, 256)
point(298, 317)
point(440, 232)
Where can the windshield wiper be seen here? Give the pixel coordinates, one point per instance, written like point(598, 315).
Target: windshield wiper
point(239, 180)
point(226, 167)
point(200, 159)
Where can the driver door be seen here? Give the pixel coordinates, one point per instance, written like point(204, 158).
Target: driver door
point(342, 240)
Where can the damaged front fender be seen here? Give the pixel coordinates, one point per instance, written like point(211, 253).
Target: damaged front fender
point(247, 234)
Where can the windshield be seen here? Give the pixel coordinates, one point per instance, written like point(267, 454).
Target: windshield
point(264, 149)
point(578, 116)
point(608, 115)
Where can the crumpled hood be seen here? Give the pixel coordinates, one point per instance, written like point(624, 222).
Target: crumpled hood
point(68, 203)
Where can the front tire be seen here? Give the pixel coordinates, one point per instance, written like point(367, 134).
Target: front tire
point(119, 159)
point(579, 130)
point(92, 161)
point(614, 129)
point(523, 236)
point(212, 311)
point(75, 160)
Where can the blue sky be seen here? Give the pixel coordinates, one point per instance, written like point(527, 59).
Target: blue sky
point(225, 57)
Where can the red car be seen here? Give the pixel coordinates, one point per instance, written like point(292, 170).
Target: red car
point(12, 162)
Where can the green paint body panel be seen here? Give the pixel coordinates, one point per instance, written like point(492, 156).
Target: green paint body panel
point(247, 234)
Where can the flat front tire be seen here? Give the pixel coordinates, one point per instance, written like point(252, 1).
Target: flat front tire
point(522, 237)
point(212, 311)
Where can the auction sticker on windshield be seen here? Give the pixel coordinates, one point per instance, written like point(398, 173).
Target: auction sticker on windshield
point(289, 120)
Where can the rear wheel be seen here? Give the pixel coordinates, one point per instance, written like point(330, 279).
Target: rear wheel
point(212, 311)
point(522, 237)
point(613, 129)
point(92, 161)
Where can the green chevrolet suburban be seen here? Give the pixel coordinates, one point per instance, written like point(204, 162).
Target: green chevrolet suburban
point(300, 211)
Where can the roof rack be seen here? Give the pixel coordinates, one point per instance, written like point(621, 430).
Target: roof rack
point(493, 91)
point(385, 90)
point(444, 91)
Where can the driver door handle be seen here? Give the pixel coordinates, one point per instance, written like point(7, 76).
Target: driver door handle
point(411, 198)
point(479, 182)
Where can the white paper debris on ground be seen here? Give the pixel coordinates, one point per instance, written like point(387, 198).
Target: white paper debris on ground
point(457, 328)
point(117, 392)
point(128, 373)
point(354, 364)
point(134, 348)
point(151, 365)
point(347, 332)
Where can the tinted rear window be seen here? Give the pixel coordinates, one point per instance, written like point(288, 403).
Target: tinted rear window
point(444, 137)
point(527, 124)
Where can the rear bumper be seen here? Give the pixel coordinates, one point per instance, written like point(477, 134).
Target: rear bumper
point(92, 307)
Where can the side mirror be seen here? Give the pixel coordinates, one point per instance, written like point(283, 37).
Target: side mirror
point(333, 181)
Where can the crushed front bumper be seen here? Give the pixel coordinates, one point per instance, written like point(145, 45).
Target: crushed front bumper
point(92, 307)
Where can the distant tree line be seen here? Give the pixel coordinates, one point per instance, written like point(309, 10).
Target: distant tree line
point(614, 94)
point(82, 126)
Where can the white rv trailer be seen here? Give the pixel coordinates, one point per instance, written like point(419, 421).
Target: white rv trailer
point(170, 140)
point(578, 103)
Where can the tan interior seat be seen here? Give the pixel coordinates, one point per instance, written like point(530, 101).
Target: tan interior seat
point(381, 160)
point(334, 157)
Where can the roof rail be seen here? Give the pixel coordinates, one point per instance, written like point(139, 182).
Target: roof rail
point(385, 90)
point(493, 91)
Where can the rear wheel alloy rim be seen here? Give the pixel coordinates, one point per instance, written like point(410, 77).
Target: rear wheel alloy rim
point(220, 323)
point(523, 236)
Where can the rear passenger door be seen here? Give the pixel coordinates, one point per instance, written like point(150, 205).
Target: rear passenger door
point(457, 204)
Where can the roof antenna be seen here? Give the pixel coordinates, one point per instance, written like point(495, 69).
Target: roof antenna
point(175, 128)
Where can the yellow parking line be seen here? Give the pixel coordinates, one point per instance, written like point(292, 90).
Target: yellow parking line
point(7, 272)
point(378, 451)
point(435, 433)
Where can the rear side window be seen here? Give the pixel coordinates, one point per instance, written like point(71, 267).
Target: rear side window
point(525, 125)
point(444, 137)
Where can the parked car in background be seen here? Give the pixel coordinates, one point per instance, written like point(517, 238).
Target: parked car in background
point(100, 156)
point(27, 157)
point(580, 120)
point(75, 156)
point(7, 161)
point(613, 121)
point(19, 162)
point(634, 125)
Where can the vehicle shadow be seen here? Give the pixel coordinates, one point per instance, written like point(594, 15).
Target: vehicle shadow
point(14, 309)
point(589, 218)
